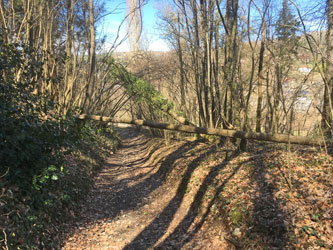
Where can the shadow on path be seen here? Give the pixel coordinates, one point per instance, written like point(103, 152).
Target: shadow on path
point(157, 228)
point(133, 175)
point(115, 192)
point(270, 222)
point(183, 229)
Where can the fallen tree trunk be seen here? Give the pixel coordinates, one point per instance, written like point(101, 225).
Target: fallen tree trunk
point(178, 118)
point(211, 131)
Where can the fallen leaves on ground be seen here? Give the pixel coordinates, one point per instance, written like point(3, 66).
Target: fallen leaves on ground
point(194, 195)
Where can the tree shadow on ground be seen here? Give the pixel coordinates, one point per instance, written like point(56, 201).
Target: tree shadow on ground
point(183, 229)
point(270, 222)
point(157, 228)
point(115, 196)
point(145, 160)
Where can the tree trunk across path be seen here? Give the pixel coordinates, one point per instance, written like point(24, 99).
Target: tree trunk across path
point(280, 138)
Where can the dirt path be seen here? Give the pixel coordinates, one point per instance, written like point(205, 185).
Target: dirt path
point(131, 206)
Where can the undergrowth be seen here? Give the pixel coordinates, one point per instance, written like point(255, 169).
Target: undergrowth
point(33, 218)
point(46, 158)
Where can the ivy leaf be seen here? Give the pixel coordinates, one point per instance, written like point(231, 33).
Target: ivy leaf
point(54, 177)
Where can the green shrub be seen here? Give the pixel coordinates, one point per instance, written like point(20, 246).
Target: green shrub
point(139, 89)
point(34, 139)
point(39, 188)
point(32, 131)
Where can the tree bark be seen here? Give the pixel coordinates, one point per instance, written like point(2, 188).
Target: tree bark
point(92, 48)
point(327, 118)
point(3, 22)
point(260, 74)
point(280, 138)
point(181, 62)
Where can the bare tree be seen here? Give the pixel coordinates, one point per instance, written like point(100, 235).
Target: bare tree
point(327, 119)
point(134, 10)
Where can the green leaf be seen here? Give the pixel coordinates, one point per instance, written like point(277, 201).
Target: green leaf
point(54, 177)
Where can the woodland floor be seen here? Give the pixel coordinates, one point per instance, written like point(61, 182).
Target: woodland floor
point(194, 195)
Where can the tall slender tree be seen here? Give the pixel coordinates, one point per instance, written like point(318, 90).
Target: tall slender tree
point(327, 114)
point(134, 13)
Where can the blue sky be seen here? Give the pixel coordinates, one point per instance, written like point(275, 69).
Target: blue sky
point(110, 24)
point(151, 33)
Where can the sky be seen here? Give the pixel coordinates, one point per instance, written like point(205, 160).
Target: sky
point(151, 37)
point(110, 24)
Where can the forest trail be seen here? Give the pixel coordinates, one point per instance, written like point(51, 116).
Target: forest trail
point(132, 206)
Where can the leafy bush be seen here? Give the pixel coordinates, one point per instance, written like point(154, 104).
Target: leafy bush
point(32, 131)
point(139, 89)
point(34, 139)
point(46, 159)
